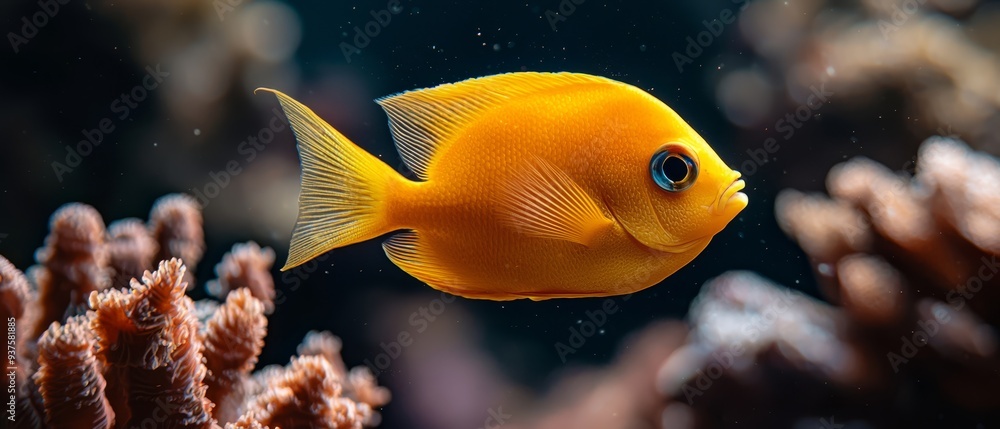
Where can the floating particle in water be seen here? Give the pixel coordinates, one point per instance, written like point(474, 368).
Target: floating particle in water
point(510, 44)
point(642, 48)
point(825, 269)
point(197, 131)
point(395, 7)
point(496, 46)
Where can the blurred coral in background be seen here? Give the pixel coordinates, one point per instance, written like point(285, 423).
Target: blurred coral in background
point(857, 289)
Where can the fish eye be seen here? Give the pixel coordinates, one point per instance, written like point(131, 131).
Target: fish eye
point(673, 169)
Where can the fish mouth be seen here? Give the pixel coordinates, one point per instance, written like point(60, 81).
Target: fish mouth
point(730, 196)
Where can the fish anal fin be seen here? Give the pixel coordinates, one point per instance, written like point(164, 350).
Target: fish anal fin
point(410, 253)
point(541, 200)
point(423, 120)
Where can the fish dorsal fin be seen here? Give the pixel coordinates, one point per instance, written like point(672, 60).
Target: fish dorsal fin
point(543, 201)
point(423, 120)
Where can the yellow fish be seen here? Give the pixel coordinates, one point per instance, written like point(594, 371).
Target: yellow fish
point(531, 185)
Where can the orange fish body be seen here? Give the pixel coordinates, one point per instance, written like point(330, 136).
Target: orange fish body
point(532, 185)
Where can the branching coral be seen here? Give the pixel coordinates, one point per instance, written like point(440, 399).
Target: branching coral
point(308, 393)
point(175, 223)
point(17, 302)
point(140, 355)
point(233, 338)
point(148, 338)
point(131, 250)
point(73, 264)
point(16, 298)
point(359, 383)
point(70, 378)
point(246, 266)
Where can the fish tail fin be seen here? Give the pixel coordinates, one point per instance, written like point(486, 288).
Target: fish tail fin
point(343, 195)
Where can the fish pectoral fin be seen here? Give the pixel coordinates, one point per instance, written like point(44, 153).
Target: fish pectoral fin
point(543, 201)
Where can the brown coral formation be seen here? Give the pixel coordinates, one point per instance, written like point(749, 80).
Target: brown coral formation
point(148, 338)
point(233, 338)
point(72, 264)
point(141, 355)
point(359, 383)
point(16, 297)
point(131, 250)
point(246, 266)
point(175, 223)
point(939, 57)
point(71, 378)
point(309, 394)
point(937, 231)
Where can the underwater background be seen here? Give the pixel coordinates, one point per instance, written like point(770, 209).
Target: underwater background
point(784, 91)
